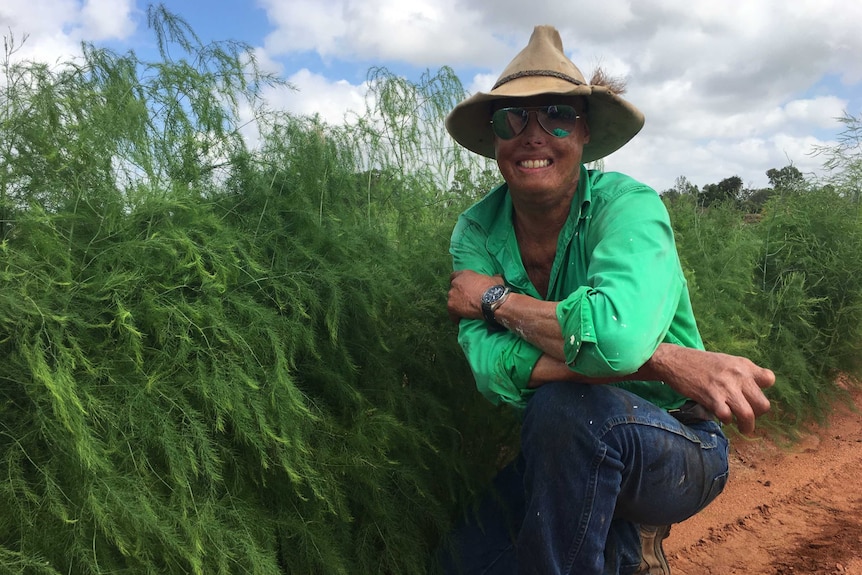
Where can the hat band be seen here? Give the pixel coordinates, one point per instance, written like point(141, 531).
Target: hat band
point(527, 73)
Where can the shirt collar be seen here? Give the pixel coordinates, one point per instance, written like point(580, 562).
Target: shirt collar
point(494, 212)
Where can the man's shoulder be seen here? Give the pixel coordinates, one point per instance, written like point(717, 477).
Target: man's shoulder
point(609, 186)
point(486, 210)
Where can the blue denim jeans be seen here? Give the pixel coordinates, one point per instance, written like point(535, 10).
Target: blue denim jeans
point(595, 462)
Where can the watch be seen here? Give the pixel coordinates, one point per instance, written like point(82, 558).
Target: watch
point(493, 298)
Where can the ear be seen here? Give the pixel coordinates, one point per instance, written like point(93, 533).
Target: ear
point(586, 129)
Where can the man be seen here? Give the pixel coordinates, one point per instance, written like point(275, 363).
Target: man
point(572, 305)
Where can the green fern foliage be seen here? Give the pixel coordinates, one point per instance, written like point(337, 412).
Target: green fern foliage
point(218, 360)
point(780, 288)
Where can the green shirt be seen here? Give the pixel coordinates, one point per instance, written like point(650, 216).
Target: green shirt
point(616, 276)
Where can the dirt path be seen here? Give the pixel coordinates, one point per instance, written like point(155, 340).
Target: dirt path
point(792, 510)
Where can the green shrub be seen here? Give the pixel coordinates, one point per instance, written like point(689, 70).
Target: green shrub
point(217, 360)
point(224, 360)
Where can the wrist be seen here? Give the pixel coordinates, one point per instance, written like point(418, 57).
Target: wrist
point(492, 299)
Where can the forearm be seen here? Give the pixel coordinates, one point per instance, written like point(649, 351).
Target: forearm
point(726, 385)
point(549, 369)
point(659, 367)
point(535, 321)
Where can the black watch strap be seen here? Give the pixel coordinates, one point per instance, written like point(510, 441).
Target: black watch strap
point(492, 299)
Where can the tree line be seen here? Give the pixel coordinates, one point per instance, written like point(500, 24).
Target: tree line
point(733, 190)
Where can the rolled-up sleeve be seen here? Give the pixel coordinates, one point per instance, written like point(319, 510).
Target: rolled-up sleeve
point(612, 325)
point(502, 362)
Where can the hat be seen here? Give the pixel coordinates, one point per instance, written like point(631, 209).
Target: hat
point(543, 68)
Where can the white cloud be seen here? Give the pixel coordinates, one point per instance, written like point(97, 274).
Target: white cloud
point(37, 28)
point(54, 29)
point(658, 159)
point(314, 94)
point(816, 112)
point(725, 91)
point(106, 19)
point(305, 25)
point(37, 16)
point(420, 32)
point(482, 82)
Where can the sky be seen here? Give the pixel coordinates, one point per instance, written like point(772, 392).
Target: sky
point(728, 88)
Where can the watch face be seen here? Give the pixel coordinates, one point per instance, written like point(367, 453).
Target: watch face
point(493, 294)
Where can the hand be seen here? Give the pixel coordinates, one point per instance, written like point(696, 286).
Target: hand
point(727, 385)
point(465, 294)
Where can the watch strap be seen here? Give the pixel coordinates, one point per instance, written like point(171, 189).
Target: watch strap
point(489, 306)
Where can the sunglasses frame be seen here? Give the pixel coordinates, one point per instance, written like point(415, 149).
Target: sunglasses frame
point(538, 110)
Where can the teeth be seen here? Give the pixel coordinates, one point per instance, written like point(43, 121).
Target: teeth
point(536, 163)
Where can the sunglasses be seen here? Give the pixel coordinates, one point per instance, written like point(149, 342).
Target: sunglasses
point(558, 120)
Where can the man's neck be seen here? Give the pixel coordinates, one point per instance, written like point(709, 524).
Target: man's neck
point(537, 236)
point(540, 224)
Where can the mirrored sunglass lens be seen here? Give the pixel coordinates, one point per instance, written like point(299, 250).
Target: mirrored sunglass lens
point(556, 120)
point(561, 113)
point(509, 122)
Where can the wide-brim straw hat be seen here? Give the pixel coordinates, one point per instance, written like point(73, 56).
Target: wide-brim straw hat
point(543, 68)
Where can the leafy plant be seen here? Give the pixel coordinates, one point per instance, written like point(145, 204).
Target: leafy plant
point(224, 359)
point(214, 360)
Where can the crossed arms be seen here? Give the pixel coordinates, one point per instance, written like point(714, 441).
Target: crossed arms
point(728, 386)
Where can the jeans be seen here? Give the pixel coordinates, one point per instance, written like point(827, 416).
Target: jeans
point(595, 462)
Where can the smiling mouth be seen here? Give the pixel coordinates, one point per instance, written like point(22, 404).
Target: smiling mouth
point(535, 163)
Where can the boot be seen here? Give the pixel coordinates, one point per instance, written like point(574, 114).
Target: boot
point(653, 561)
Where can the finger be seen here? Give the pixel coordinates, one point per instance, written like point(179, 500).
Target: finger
point(744, 413)
point(757, 400)
point(723, 413)
point(765, 379)
point(744, 420)
point(745, 425)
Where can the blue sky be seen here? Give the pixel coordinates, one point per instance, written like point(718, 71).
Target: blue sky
point(729, 88)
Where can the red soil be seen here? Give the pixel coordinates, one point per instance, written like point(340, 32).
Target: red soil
point(794, 509)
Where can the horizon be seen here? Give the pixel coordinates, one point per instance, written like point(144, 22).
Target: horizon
point(761, 88)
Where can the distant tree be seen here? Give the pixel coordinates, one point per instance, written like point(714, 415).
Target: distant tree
point(728, 189)
point(754, 199)
point(787, 178)
point(670, 195)
point(681, 187)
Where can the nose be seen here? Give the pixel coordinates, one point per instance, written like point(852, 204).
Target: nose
point(533, 129)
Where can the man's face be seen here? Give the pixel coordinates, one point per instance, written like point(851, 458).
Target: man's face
point(540, 167)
